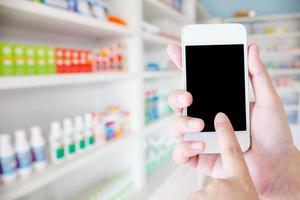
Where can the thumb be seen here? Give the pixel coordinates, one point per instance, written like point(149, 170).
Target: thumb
point(231, 153)
point(264, 90)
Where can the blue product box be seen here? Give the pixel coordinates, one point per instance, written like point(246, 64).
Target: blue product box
point(153, 66)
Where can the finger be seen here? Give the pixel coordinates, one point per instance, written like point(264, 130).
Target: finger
point(231, 153)
point(180, 99)
point(182, 125)
point(174, 52)
point(264, 90)
point(211, 165)
point(186, 150)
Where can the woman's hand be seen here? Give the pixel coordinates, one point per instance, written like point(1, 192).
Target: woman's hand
point(272, 159)
point(237, 185)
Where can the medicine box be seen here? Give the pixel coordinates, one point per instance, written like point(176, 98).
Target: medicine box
point(6, 59)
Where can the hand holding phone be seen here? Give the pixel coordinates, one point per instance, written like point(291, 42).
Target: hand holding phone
point(215, 72)
point(272, 146)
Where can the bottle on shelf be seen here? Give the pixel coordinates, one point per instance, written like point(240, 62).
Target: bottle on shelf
point(89, 129)
point(23, 154)
point(8, 160)
point(99, 128)
point(38, 148)
point(69, 140)
point(57, 152)
point(79, 134)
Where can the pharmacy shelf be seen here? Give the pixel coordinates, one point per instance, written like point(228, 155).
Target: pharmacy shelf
point(18, 82)
point(286, 90)
point(157, 9)
point(161, 74)
point(296, 134)
point(291, 107)
point(280, 54)
point(154, 40)
point(264, 18)
point(296, 85)
point(39, 17)
point(284, 71)
point(154, 126)
point(23, 187)
point(264, 36)
point(155, 180)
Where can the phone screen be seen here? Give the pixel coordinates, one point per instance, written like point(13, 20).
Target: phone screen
point(215, 78)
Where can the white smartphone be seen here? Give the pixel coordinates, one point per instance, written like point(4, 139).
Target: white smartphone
point(215, 72)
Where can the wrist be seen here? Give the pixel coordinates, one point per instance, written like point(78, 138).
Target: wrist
point(287, 184)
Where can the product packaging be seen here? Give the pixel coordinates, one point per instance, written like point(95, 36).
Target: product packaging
point(8, 160)
point(23, 154)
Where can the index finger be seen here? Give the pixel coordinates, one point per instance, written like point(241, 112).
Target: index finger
point(231, 153)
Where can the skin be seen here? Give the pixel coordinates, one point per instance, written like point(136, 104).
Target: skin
point(272, 159)
point(238, 184)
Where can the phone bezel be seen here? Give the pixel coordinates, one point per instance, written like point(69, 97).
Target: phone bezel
point(217, 34)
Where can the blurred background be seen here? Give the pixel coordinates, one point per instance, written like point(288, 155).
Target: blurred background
point(84, 87)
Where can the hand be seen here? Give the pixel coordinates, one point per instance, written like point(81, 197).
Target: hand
point(272, 157)
point(238, 184)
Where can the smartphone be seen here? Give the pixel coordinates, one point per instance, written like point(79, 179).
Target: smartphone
point(215, 72)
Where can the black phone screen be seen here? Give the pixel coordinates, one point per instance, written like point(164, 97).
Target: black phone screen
point(215, 78)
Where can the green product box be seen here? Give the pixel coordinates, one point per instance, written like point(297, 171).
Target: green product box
point(19, 51)
point(30, 52)
point(6, 50)
point(20, 66)
point(50, 52)
point(31, 66)
point(6, 67)
point(41, 66)
point(40, 52)
point(50, 66)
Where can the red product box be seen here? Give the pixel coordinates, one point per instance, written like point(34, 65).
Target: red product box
point(68, 68)
point(86, 60)
point(59, 52)
point(67, 53)
point(60, 65)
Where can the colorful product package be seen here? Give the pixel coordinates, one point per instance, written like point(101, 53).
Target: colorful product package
point(41, 54)
point(50, 60)
point(30, 53)
point(6, 59)
point(19, 59)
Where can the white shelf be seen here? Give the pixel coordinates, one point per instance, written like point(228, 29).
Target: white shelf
point(16, 82)
point(157, 9)
point(23, 187)
point(286, 90)
point(296, 134)
point(35, 16)
point(264, 36)
point(296, 84)
point(264, 18)
point(156, 179)
point(291, 107)
point(152, 40)
point(284, 71)
point(154, 126)
point(162, 74)
point(280, 54)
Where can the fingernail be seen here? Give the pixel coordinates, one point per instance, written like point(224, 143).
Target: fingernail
point(221, 118)
point(197, 145)
point(193, 123)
